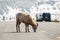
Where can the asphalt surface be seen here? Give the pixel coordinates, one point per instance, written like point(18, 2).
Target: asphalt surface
point(45, 31)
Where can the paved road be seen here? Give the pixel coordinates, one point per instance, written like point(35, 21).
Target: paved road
point(45, 31)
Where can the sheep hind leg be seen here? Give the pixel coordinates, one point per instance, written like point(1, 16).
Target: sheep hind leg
point(16, 27)
point(19, 27)
point(28, 29)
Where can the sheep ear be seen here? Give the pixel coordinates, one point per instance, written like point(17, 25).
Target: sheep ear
point(37, 24)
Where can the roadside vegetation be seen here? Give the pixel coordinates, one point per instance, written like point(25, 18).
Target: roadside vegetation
point(55, 20)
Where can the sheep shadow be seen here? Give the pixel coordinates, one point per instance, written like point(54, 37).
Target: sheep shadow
point(19, 32)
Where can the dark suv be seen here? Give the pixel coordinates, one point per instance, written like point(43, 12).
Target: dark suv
point(46, 16)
